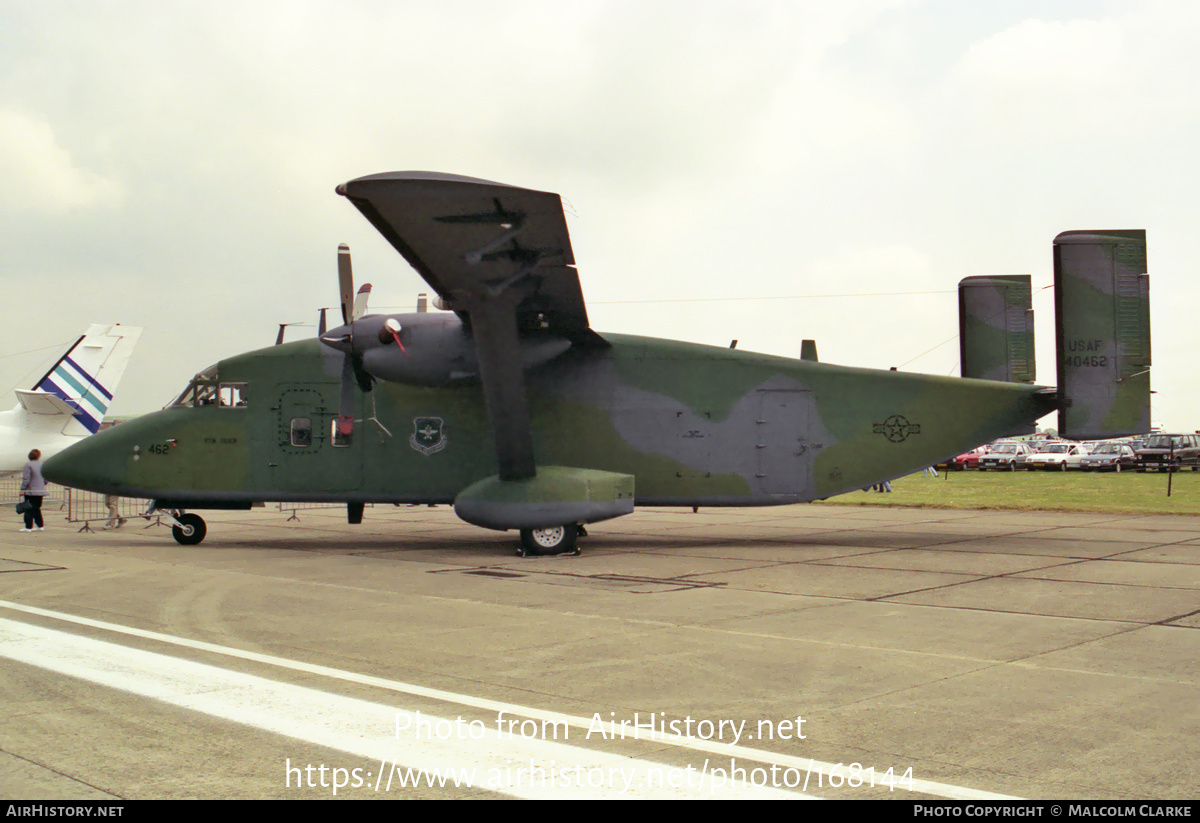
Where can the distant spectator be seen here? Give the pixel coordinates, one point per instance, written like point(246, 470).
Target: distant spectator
point(34, 489)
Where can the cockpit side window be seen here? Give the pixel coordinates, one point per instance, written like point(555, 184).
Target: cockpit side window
point(233, 395)
point(198, 393)
point(201, 391)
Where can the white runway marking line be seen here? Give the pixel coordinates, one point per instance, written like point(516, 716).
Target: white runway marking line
point(803, 765)
point(513, 765)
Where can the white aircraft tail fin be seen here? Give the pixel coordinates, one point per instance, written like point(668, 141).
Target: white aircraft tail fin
point(81, 384)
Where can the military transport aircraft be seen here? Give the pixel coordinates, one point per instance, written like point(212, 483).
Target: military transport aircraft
point(512, 408)
point(70, 401)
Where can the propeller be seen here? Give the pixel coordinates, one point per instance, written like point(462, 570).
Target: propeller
point(353, 306)
point(358, 336)
point(345, 280)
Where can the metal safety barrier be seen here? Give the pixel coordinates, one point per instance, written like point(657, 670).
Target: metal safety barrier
point(89, 507)
point(298, 507)
point(10, 491)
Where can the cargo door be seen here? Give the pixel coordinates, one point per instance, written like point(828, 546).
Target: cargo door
point(784, 452)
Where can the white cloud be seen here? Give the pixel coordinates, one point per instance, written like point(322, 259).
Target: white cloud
point(1064, 54)
point(41, 176)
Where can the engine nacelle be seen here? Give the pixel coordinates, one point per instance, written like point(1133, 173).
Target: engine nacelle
point(432, 349)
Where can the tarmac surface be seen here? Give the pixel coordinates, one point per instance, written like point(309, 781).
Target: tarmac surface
point(818, 650)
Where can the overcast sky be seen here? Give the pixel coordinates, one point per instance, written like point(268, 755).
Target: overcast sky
point(751, 170)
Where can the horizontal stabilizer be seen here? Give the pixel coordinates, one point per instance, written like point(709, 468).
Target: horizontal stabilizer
point(44, 404)
point(1102, 314)
point(995, 328)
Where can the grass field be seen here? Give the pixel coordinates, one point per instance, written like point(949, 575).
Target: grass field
point(1126, 493)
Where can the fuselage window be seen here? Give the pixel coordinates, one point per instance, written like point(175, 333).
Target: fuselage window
point(338, 439)
point(301, 431)
point(233, 395)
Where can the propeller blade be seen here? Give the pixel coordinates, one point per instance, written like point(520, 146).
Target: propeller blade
point(366, 380)
point(360, 302)
point(345, 281)
point(345, 419)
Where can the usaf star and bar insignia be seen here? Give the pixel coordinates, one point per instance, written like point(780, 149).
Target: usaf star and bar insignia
point(897, 428)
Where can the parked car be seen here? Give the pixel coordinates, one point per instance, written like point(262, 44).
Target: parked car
point(966, 460)
point(1110, 457)
point(1002, 456)
point(1057, 456)
point(1020, 461)
point(1169, 452)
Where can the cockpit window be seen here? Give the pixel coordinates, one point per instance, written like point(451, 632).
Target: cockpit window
point(233, 395)
point(201, 391)
point(205, 390)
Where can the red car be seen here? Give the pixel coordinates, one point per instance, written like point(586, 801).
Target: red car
point(966, 460)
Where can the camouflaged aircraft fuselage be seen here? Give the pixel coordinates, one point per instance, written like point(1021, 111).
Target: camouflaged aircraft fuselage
point(694, 425)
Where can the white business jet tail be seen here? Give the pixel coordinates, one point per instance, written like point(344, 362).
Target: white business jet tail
point(79, 387)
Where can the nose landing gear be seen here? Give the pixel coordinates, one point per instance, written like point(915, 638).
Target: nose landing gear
point(188, 529)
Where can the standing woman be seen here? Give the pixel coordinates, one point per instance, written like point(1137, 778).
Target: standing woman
point(34, 489)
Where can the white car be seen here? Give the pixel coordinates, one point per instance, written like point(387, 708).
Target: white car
point(1057, 456)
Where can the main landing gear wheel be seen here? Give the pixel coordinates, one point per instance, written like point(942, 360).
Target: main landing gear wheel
point(557, 540)
point(190, 531)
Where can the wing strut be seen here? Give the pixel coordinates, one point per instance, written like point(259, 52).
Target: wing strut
point(494, 326)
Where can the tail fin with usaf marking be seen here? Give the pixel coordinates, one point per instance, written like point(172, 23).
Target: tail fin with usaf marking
point(1102, 321)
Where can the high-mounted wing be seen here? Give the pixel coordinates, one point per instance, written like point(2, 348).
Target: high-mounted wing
point(469, 237)
point(499, 256)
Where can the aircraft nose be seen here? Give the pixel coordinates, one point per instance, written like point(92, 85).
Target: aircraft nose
point(81, 466)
